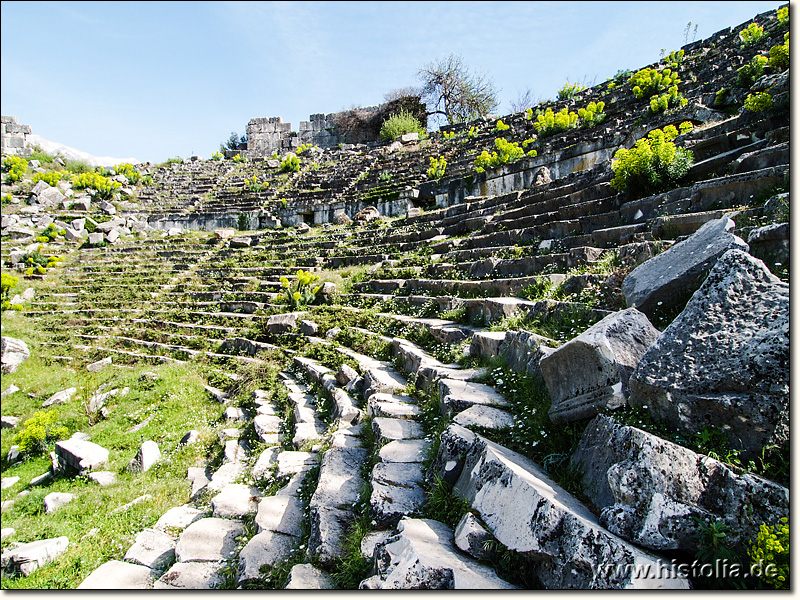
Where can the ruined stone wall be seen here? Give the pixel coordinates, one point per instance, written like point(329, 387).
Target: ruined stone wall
point(14, 137)
point(354, 126)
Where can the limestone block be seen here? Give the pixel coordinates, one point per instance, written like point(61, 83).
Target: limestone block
point(235, 500)
point(55, 500)
point(80, 454)
point(103, 478)
point(388, 429)
point(291, 462)
point(661, 284)
point(99, 365)
point(281, 514)
point(147, 456)
point(724, 362)
point(423, 556)
point(396, 491)
point(404, 451)
point(265, 549)
point(591, 372)
point(652, 492)
point(456, 396)
point(471, 537)
point(527, 512)
point(153, 549)
point(284, 323)
point(178, 518)
point(14, 353)
point(118, 575)
point(382, 380)
point(308, 577)
point(263, 465)
point(7, 482)
point(485, 417)
point(209, 540)
point(26, 558)
point(192, 576)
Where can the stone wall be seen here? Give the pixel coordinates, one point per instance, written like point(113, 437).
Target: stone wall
point(266, 135)
point(14, 136)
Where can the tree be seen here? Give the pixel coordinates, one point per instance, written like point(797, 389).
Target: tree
point(452, 91)
point(524, 101)
point(234, 142)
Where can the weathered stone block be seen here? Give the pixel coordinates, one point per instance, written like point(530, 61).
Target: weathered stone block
point(661, 284)
point(591, 372)
point(724, 362)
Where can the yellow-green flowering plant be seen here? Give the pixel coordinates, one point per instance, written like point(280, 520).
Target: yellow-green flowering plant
point(770, 553)
point(655, 164)
point(648, 82)
point(302, 293)
point(15, 167)
point(437, 168)
point(500, 126)
point(751, 34)
point(758, 102)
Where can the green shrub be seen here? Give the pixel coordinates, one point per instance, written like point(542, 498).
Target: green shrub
point(592, 114)
point(7, 283)
point(770, 551)
point(217, 156)
point(104, 187)
point(131, 174)
point(675, 58)
point(549, 123)
point(500, 126)
point(437, 168)
point(400, 123)
point(570, 90)
point(290, 163)
point(649, 82)
point(303, 148)
point(783, 15)
point(51, 178)
point(747, 74)
point(758, 102)
point(671, 99)
point(302, 293)
point(253, 185)
point(15, 167)
point(779, 55)
point(507, 152)
point(38, 432)
point(238, 159)
point(752, 34)
point(653, 165)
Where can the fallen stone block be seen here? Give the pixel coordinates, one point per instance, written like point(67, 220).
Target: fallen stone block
point(192, 576)
point(81, 455)
point(209, 540)
point(423, 556)
point(308, 577)
point(26, 558)
point(528, 513)
point(118, 575)
point(667, 280)
point(456, 396)
point(396, 491)
point(147, 456)
point(724, 362)
point(266, 549)
point(235, 500)
point(14, 352)
point(590, 372)
point(656, 493)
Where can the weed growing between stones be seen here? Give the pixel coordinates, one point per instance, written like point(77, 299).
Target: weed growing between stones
point(441, 504)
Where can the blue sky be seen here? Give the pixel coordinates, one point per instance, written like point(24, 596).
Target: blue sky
point(155, 80)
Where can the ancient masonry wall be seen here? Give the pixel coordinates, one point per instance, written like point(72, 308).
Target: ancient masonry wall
point(15, 137)
point(271, 134)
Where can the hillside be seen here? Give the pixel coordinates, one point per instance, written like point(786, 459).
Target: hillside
point(547, 350)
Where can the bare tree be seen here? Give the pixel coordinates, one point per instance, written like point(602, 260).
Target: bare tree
point(523, 101)
point(404, 92)
point(452, 91)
